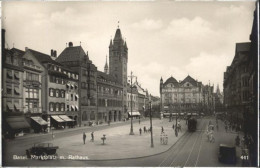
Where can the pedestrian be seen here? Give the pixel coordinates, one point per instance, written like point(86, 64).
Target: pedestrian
point(140, 130)
point(144, 129)
point(212, 139)
point(207, 133)
point(92, 136)
point(84, 137)
point(162, 130)
point(173, 126)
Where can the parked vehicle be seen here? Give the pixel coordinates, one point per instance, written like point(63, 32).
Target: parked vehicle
point(227, 154)
point(42, 151)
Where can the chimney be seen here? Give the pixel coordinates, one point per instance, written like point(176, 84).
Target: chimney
point(70, 44)
point(51, 52)
point(55, 53)
point(3, 40)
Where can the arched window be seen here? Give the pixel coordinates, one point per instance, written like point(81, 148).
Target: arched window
point(51, 106)
point(57, 107)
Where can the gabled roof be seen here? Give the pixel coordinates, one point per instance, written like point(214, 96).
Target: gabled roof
point(190, 80)
point(72, 54)
point(43, 58)
point(103, 75)
point(19, 52)
point(171, 80)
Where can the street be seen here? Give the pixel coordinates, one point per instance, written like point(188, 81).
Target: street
point(192, 149)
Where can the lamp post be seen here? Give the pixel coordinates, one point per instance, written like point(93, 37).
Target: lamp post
point(131, 128)
point(151, 123)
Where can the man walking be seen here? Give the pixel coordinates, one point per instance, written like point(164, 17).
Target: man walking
point(92, 136)
point(84, 137)
point(162, 130)
point(140, 130)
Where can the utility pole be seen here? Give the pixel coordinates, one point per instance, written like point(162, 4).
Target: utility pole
point(151, 123)
point(131, 87)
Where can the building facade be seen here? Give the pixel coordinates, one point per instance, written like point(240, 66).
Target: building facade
point(188, 96)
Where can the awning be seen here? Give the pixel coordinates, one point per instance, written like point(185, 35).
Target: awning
point(134, 113)
point(39, 120)
point(77, 96)
point(66, 118)
point(76, 108)
point(68, 85)
point(17, 122)
point(16, 90)
point(16, 76)
point(57, 118)
point(16, 105)
point(9, 105)
point(72, 107)
point(72, 85)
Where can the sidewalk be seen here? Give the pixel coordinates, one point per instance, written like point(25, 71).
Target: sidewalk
point(57, 131)
point(119, 144)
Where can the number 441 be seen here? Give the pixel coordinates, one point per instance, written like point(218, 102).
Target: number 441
point(244, 157)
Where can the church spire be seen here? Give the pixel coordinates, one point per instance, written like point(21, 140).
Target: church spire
point(106, 67)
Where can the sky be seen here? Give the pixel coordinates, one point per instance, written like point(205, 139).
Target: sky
point(164, 38)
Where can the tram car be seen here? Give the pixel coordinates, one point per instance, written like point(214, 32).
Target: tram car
point(192, 124)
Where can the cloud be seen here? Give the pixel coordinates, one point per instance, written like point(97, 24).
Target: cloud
point(189, 28)
point(147, 24)
point(208, 66)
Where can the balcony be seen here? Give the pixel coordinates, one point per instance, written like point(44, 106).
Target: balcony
point(31, 66)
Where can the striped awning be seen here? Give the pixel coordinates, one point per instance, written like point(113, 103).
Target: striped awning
point(39, 120)
point(66, 118)
point(57, 118)
point(134, 113)
point(17, 122)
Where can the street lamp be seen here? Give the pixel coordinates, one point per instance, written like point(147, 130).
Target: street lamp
point(131, 87)
point(151, 123)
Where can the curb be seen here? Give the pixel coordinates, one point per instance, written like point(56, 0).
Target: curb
point(134, 157)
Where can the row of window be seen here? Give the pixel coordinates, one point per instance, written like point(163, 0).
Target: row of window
point(56, 93)
point(11, 60)
point(85, 85)
point(111, 91)
point(15, 91)
point(31, 76)
point(109, 103)
point(71, 97)
point(61, 107)
point(70, 75)
point(133, 96)
point(9, 75)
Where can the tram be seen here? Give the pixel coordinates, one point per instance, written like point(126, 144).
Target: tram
point(192, 124)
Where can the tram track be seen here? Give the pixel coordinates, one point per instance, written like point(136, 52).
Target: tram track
point(186, 152)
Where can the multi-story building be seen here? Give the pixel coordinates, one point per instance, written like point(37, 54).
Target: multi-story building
point(142, 99)
point(236, 83)
point(188, 95)
point(54, 78)
point(12, 93)
point(132, 104)
point(110, 96)
point(76, 58)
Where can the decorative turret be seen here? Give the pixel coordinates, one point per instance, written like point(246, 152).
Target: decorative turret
point(106, 67)
point(161, 85)
point(111, 44)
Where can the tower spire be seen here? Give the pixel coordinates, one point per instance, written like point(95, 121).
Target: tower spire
point(106, 67)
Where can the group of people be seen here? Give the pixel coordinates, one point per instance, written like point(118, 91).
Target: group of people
point(210, 133)
point(85, 137)
point(145, 130)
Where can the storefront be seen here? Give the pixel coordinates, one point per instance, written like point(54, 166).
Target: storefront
point(15, 126)
point(69, 122)
point(134, 114)
point(38, 124)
